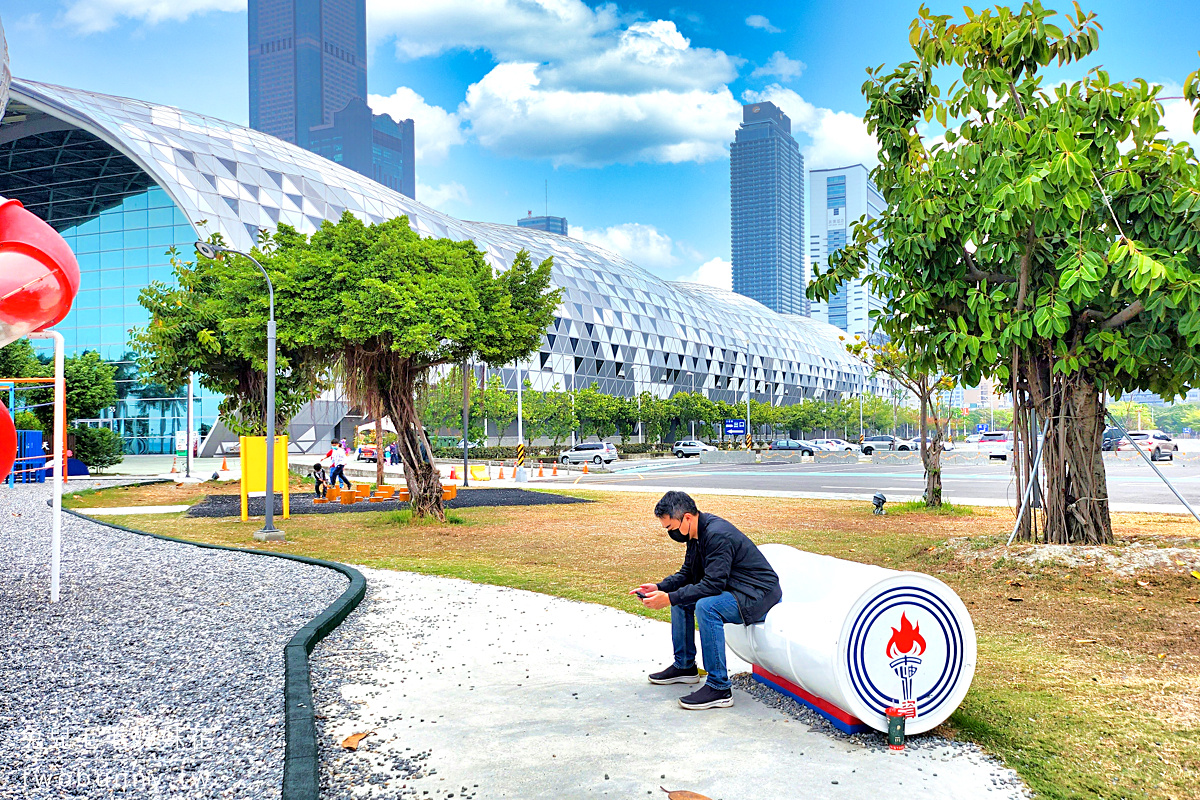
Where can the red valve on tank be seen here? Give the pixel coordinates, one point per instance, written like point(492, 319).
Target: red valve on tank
point(8, 442)
point(39, 276)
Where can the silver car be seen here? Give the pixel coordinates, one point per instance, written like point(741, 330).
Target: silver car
point(595, 452)
point(690, 447)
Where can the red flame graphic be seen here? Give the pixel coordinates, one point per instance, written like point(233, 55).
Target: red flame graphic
point(904, 641)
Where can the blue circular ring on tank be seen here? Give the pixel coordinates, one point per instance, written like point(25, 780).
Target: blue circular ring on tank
point(927, 601)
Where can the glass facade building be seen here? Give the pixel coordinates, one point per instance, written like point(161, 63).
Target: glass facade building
point(839, 198)
point(308, 86)
point(549, 224)
point(126, 180)
point(766, 176)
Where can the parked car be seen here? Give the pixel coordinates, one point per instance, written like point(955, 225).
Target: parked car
point(367, 452)
point(837, 444)
point(459, 445)
point(914, 444)
point(1155, 443)
point(596, 452)
point(1111, 438)
point(873, 443)
point(805, 448)
point(690, 447)
point(973, 438)
point(997, 444)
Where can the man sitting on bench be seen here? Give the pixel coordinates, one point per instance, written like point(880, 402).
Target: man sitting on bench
point(724, 578)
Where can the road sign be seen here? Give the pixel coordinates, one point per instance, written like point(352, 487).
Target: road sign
point(735, 427)
point(981, 427)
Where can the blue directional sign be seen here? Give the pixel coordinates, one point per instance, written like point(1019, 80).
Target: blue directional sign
point(981, 427)
point(735, 427)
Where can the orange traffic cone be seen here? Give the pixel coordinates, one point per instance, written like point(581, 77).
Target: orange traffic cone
point(501, 470)
point(541, 470)
point(554, 474)
point(224, 465)
point(585, 468)
point(453, 474)
point(175, 464)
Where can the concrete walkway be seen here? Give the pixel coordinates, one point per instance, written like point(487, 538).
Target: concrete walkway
point(488, 692)
point(118, 511)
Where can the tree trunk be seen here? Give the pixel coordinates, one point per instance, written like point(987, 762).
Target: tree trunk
point(931, 451)
point(420, 472)
point(1076, 497)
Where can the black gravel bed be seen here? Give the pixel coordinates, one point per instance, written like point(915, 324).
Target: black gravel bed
point(159, 673)
point(230, 505)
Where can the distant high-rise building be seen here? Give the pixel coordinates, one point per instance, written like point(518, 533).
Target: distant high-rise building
point(551, 224)
point(766, 176)
point(839, 198)
point(308, 86)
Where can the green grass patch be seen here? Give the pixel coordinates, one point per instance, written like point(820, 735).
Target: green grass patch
point(919, 507)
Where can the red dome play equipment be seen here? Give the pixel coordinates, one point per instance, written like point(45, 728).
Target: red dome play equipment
point(39, 276)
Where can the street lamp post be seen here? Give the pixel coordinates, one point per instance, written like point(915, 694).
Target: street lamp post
point(269, 532)
point(693, 422)
point(749, 435)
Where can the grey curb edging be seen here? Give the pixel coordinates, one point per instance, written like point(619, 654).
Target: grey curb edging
point(301, 766)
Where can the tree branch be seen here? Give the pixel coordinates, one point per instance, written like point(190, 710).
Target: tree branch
point(1116, 320)
point(974, 273)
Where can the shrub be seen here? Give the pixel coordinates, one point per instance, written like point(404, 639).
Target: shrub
point(99, 448)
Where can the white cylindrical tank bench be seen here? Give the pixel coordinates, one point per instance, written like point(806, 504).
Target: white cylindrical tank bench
point(850, 640)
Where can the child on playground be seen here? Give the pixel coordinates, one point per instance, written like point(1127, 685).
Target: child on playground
point(320, 479)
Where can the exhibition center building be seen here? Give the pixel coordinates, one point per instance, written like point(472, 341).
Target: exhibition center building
point(125, 181)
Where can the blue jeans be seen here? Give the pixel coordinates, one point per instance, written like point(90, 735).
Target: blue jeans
point(713, 613)
point(335, 475)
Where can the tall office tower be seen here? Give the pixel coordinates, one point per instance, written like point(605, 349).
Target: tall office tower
point(308, 86)
point(839, 198)
point(550, 224)
point(766, 176)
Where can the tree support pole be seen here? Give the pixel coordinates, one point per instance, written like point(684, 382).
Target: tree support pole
point(1153, 466)
point(1037, 460)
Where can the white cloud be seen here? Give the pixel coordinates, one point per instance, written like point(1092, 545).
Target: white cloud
point(95, 16)
point(1178, 116)
point(511, 113)
point(762, 23)
point(837, 138)
point(715, 272)
point(511, 30)
point(443, 195)
point(780, 66)
point(580, 86)
point(641, 244)
point(435, 129)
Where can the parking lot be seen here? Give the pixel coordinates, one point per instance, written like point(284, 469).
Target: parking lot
point(1132, 485)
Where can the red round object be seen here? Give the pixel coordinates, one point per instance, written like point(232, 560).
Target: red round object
point(39, 276)
point(8, 442)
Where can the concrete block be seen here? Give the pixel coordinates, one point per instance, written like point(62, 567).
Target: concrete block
point(842, 457)
point(728, 457)
point(898, 457)
point(781, 456)
point(963, 458)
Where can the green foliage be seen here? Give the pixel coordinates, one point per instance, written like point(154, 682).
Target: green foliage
point(213, 323)
point(548, 415)
point(27, 421)
point(99, 448)
point(18, 360)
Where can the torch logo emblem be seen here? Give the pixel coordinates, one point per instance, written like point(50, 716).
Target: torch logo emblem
point(904, 649)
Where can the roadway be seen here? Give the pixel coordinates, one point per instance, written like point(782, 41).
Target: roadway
point(1132, 485)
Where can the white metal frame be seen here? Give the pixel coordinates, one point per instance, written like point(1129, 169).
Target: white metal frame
point(60, 470)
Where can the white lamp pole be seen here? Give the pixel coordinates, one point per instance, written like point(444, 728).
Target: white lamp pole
point(522, 473)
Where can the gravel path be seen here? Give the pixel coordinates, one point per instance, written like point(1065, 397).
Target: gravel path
point(230, 505)
point(474, 691)
point(158, 675)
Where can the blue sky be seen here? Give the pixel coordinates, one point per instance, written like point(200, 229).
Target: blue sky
point(624, 111)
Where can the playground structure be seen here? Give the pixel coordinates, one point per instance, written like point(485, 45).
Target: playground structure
point(254, 471)
point(851, 640)
point(39, 278)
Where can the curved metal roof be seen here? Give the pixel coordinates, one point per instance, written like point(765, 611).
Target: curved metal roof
point(618, 324)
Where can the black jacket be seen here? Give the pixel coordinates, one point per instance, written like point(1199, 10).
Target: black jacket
point(721, 559)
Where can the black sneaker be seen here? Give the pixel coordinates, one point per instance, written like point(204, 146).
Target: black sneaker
point(707, 697)
point(673, 674)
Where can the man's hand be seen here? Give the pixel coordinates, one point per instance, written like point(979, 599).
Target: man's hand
point(645, 588)
point(657, 600)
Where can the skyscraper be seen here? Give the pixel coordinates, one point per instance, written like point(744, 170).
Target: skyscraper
point(308, 86)
point(766, 176)
point(550, 224)
point(840, 197)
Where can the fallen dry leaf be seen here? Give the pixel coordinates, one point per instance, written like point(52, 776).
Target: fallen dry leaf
point(1162, 655)
point(1196, 575)
point(683, 795)
point(1142, 583)
point(1086, 641)
point(1141, 608)
point(351, 741)
point(1193, 599)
